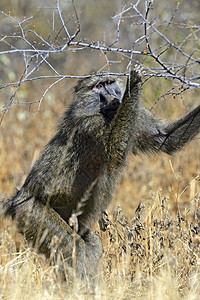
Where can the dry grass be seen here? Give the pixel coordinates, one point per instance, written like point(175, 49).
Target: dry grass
point(149, 253)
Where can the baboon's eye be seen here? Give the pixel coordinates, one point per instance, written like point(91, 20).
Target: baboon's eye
point(109, 82)
point(98, 86)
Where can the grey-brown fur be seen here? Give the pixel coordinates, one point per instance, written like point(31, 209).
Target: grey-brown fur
point(78, 170)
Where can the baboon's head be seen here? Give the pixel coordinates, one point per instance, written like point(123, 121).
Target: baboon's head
point(100, 94)
point(109, 96)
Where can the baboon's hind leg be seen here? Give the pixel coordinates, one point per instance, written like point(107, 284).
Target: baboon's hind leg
point(93, 251)
point(52, 236)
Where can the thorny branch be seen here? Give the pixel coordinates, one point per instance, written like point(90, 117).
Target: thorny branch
point(182, 69)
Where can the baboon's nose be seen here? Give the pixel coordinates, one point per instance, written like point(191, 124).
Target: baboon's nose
point(114, 104)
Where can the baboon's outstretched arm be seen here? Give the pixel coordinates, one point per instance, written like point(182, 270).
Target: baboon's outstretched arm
point(154, 135)
point(124, 121)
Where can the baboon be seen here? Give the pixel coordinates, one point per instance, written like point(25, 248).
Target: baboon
point(77, 172)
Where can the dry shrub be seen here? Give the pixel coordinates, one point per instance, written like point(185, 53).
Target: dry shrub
point(154, 256)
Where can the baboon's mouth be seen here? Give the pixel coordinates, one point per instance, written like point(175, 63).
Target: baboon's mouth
point(112, 111)
point(108, 112)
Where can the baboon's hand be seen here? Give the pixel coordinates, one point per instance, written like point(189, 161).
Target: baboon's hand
point(136, 75)
point(134, 81)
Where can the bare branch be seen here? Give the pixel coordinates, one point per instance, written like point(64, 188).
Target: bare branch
point(151, 44)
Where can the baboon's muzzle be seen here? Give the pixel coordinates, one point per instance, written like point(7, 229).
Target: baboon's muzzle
point(111, 107)
point(113, 103)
